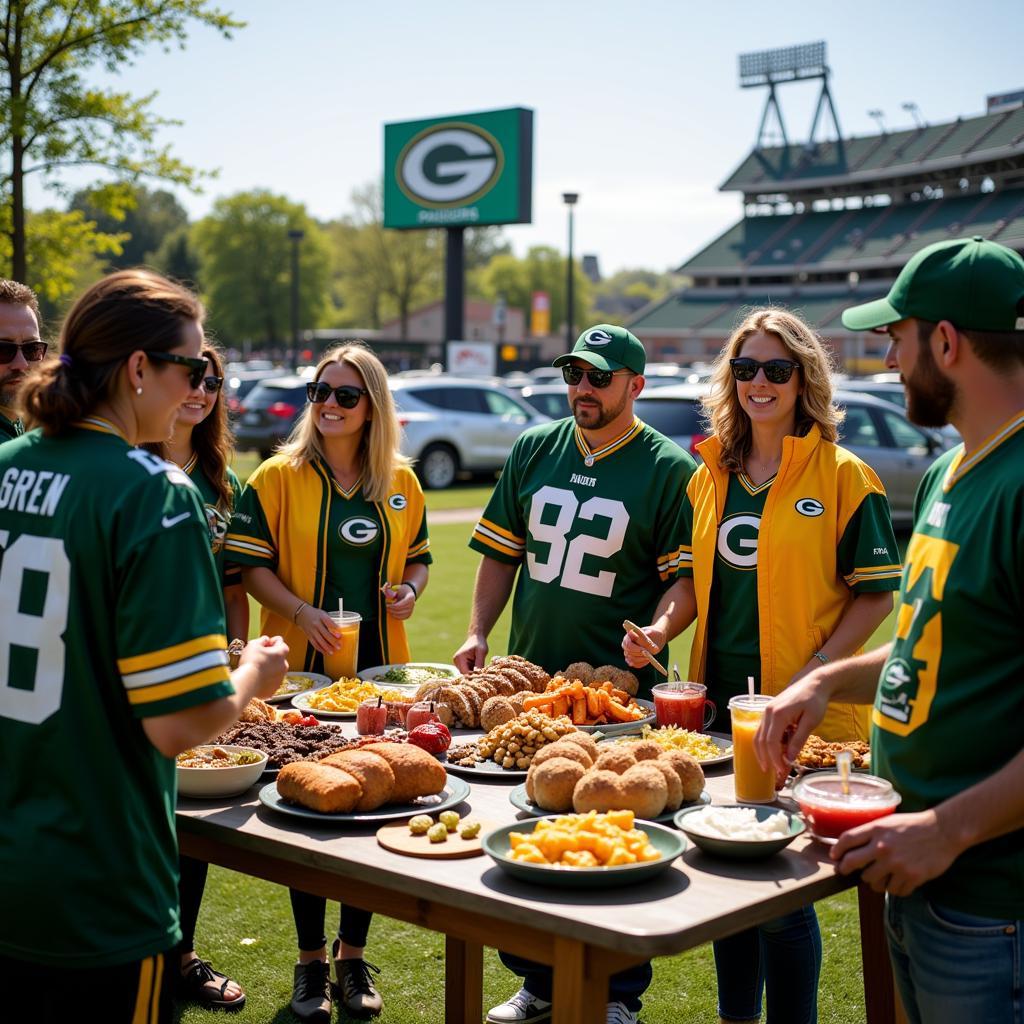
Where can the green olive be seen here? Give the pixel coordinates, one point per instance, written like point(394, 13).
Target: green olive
point(419, 825)
point(450, 820)
point(470, 830)
point(437, 833)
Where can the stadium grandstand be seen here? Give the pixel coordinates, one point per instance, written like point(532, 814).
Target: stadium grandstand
point(828, 224)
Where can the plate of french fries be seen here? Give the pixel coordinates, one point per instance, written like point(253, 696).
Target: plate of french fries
point(341, 698)
point(592, 708)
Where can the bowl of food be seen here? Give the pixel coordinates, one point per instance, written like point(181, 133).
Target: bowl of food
point(832, 805)
point(214, 771)
point(739, 832)
point(584, 851)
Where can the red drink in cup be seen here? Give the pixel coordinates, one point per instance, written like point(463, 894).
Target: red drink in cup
point(684, 705)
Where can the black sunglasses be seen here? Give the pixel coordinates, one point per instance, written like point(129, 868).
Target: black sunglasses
point(33, 351)
point(776, 371)
point(346, 396)
point(196, 364)
point(211, 385)
point(599, 379)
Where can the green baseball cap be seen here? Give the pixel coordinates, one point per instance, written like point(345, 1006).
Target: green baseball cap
point(975, 284)
point(607, 347)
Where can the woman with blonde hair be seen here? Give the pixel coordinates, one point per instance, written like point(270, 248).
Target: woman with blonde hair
point(788, 560)
point(336, 514)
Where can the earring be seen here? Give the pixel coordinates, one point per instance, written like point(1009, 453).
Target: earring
point(138, 390)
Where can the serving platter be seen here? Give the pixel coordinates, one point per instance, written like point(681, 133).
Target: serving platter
point(518, 799)
point(319, 682)
point(301, 701)
point(437, 670)
point(724, 744)
point(454, 792)
point(619, 728)
point(489, 771)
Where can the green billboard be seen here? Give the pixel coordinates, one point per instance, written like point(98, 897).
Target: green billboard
point(467, 170)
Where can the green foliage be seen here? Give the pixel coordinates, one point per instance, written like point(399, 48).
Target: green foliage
point(620, 296)
point(245, 265)
point(177, 258)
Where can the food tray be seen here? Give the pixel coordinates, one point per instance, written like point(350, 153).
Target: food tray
point(319, 682)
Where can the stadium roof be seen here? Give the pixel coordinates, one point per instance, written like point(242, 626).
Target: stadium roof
point(923, 150)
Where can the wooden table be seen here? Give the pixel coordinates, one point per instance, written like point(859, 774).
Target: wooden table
point(586, 935)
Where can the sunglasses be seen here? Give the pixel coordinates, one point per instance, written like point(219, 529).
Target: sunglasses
point(33, 351)
point(776, 371)
point(211, 385)
point(346, 396)
point(599, 379)
point(196, 365)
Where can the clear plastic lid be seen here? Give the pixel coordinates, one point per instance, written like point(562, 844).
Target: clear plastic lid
point(827, 788)
point(750, 702)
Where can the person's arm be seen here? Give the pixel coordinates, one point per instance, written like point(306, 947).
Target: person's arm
point(260, 672)
point(416, 573)
point(793, 715)
point(900, 852)
point(236, 609)
point(270, 592)
point(491, 592)
point(676, 610)
point(862, 618)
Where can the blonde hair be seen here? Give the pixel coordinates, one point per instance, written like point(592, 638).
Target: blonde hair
point(379, 447)
point(813, 406)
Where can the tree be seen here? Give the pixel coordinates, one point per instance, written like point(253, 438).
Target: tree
point(177, 258)
point(245, 266)
point(623, 294)
point(51, 119)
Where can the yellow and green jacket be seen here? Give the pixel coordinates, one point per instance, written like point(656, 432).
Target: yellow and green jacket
point(295, 508)
point(801, 594)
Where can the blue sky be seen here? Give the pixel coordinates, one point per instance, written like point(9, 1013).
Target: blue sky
point(637, 105)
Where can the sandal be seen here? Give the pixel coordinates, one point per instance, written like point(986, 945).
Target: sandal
point(193, 983)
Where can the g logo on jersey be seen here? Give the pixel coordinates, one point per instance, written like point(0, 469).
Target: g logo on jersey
point(598, 339)
point(398, 502)
point(217, 523)
point(449, 164)
point(737, 540)
point(359, 531)
point(810, 507)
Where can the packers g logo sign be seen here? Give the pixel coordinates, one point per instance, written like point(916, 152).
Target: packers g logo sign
point(449, 164)
point(737, 540)
point(359, 531)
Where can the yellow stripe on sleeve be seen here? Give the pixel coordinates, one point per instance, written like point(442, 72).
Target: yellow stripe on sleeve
point(502, 531)
point(492, 543)
point(175, 688)
point(418, 549)
point(166, 655)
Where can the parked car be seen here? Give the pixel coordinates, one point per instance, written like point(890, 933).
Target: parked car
point(238, 384)
point(551, 400)
point(876, 431)
point(890, 390)
point(268, 413)
point(454, 424)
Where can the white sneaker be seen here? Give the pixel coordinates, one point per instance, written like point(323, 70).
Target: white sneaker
point(618, 1014)
point(523, 1008)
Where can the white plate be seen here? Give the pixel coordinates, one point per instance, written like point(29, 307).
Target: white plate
point(319, 682)
point(370, 674)
point(301, 700)
point(724, 743)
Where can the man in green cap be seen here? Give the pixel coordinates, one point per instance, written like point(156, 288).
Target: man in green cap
point(588, 512)
point(948, 691)
point(20, 348)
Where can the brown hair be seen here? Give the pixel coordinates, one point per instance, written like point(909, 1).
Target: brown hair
point(999, 350)
point(211, 438)
point(814, 405)
point(125, 312)
point(14, 293)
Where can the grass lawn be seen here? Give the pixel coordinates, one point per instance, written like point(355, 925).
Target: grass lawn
point(246, 930)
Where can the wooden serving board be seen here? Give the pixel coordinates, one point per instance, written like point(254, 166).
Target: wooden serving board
point(399, 839)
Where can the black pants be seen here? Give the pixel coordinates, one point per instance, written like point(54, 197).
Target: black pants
point(191, 884)
point(135, 993)
point(308, 912)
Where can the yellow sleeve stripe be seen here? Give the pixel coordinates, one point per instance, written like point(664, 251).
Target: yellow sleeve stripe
point(497, 545)
point(195, 681)
point(168, 655)
point(418, 549)
point(868, 574)
point(501, 531)
point(248, 545)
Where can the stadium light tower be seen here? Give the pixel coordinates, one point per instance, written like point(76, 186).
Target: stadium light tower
point(879, 118)
point(915, 112)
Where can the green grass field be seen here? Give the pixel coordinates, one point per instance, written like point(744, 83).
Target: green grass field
point(246, 930)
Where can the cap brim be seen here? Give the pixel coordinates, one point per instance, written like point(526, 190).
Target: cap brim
point(871, 315)
point(596, 360)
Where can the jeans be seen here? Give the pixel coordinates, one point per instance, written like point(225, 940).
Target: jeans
point(308, 912)
point(625, 987)
point(782, 956)
point(952, 967)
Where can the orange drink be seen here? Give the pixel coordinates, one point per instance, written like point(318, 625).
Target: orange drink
point(754, 785)
point(342, 663)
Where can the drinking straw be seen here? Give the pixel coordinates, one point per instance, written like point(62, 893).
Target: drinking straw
point(844, 760)
point(341, 609)
point(750, 686)
point(675, 671)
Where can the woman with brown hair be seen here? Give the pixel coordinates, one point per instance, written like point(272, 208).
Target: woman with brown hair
point(105, 672)
point(200, 446)
point(336, 514)
point(788, 560)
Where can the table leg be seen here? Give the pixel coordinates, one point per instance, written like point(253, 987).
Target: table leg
point(881, 1001)
point(580, 990)
point(463, 981)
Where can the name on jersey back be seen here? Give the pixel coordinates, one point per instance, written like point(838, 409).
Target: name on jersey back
point(25, 490)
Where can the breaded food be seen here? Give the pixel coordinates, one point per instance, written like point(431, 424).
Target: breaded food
point(257, 711)
point(416, 772)
point(584, 740)
point(690, 773)
point(674, 798)
point(475, 703)
point(581, 670)
point(615, 759)
point(554, 782)
point(320, 787)
point(646, 750)
point(560, 749)
point(428, 690)
point(495, 711)
point(444, 713)
point(504, 685)
point(620, 678)
point(596, 791)
point(454, 697)
point(642, 790)
point(371, 771)
point(518, 699)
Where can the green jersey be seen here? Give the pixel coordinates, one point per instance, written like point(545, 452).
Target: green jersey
point(597, 534)
point(950, 699)
point(110, 613)
point(10, 428)
point(218, 518)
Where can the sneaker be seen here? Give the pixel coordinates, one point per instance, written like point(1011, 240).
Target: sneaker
point(355, 987)
point(311, 992)
point(523, 1008)
point(618, 1014)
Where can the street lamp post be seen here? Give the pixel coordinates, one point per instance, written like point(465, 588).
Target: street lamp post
point(569, 198)
point(296, 236)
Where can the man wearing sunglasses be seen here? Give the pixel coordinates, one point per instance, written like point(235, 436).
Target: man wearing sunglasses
point(588, 515)
point(20, 348)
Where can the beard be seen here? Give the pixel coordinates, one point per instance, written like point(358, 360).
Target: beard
point(9, 388)
point(597, 416)
point(930, 393)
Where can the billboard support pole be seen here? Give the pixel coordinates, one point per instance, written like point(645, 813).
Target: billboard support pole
point(454, 282)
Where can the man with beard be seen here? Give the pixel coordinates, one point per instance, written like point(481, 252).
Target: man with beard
point(20, 347)
point(591, 508)
point(947, 691)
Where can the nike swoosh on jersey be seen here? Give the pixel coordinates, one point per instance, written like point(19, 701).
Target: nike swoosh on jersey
point(168, 521)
